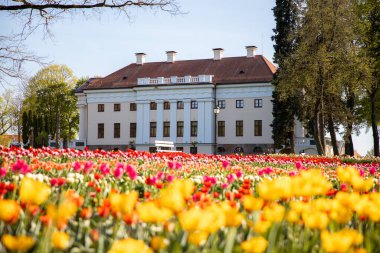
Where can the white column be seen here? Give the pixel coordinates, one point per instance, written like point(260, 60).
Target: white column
point(139, 122)
point(82, 123)
point(146, 123)
point(186, 121)
point(209, 121)
point(201, 121)
point(173, 121)
point(160, 119)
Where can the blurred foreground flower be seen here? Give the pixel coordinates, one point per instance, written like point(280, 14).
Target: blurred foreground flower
point(60, 240)
point(255, 245)
point(10, 210)
point(131, 246)
point(34, 192)
point(18, 243)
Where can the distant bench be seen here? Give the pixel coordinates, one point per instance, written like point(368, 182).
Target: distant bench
point(164, 146)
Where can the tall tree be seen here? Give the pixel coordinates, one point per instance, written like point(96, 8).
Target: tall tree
point(286, 13)
point(50, 96)
point(369, 15)
point(318, 65)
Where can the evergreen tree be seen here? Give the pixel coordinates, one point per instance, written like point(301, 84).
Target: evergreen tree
point(284, 110)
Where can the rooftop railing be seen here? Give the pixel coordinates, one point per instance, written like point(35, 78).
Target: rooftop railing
point(175, 80)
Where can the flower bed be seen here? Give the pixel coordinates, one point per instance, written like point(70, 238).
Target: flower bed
point(83, 201)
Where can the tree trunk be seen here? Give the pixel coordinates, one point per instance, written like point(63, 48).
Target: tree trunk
point(322, 131)
point(333, 135)
point(349, 145)
point(316, 133)
point(292, 139)
point(57, 130)
point(375, 131)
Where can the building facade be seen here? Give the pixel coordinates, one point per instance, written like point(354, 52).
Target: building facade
point(220, 105)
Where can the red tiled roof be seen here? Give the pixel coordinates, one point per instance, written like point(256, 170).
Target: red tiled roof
point(226, 71)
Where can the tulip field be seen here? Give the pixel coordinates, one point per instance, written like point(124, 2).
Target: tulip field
point(130, 201)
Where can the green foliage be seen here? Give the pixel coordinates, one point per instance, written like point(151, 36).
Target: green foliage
point(286, 14)
point(50, 96)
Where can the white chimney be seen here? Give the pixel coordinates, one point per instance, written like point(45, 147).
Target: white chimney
point(251, 51)
point(171, 56)
point(218, 54)
point(140, 58)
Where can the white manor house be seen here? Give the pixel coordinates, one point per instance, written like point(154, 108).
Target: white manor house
point(216, 105)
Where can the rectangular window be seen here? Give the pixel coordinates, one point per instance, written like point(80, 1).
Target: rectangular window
point(116, 130)
point(116, 107)
point(222, 104)
point(100, 107)
point(179, 104)
point(100, 130)
point(258, 128)
point(132, 107)
point(194, 104)
point(194, 128)
point(153, 106)
point(221, 128)
point(166, 129)
point(180, 149)
point(258, 103)
point(179, 128)
point(193, 150)
point(166, 105)
point(153, 127)
point(132, 130)
point(239, 128)
point(239, 103)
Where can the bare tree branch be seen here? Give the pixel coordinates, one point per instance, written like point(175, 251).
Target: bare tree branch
point(41, 13)
point(13, 56)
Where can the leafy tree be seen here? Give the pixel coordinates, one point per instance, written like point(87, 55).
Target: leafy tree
point(323, 64)
point(369, 14)
point(50, 97)
point(286, 13)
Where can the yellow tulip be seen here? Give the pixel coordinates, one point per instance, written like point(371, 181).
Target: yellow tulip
point(18, 243)
point(274, 212)
point(315, 220)
point(150, 212)
point(60, 240)
point(233, 217)
point(10, 210)
point(34, 192)
point(255, 245)
point(251, 203)
point(130, 245)
point(198, 238)
point(124, 203)
point(341, 241)
point(261, 227)
point(158, 242)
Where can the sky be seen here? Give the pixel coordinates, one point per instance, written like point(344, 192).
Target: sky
point(99, 44)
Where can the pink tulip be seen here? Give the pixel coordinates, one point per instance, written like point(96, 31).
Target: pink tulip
point(21, 167)
point(230, 178)
point(372, 170)
point(104, 169)
point(225, 164)
point(77, 166)
point(118, 172)
point(3, 172)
